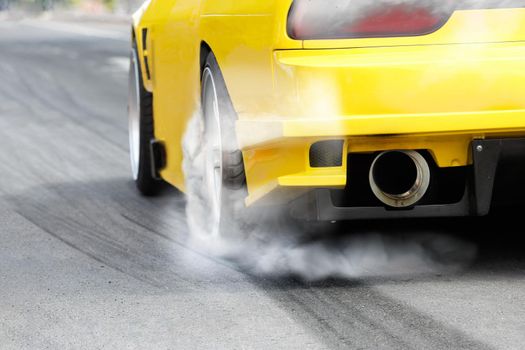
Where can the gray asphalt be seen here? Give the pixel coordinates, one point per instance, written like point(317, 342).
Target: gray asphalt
point(86, 263)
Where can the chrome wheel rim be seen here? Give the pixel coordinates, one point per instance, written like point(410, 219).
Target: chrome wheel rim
point(134, 115)
point(212, 151)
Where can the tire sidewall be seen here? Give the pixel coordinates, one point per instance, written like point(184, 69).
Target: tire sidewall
point(233, 220)
point(145, 179)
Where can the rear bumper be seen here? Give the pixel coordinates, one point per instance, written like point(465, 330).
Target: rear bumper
point(473, 123)
point(437, 98)
point(497, 163)
point(277, 156)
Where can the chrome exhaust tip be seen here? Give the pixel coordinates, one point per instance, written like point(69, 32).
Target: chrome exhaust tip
point(399, 179)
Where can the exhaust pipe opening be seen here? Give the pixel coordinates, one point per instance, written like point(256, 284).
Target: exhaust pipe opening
point(399, 179)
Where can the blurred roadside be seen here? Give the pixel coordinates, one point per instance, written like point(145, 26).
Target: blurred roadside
point(109, 11)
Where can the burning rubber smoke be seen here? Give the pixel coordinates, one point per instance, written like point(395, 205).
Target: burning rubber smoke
point(278, 246)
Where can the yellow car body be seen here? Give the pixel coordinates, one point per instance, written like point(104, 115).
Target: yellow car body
point(438, 92)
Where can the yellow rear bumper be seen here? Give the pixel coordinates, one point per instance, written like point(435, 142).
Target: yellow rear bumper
point(475, 123)
point(437, 98)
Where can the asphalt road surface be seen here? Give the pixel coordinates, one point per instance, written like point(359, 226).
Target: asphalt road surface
point(86, 263)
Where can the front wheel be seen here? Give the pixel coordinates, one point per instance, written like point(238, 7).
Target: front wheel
point(140, 114)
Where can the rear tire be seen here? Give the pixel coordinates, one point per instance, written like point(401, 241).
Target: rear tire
point(141, 132)
point(214, 166)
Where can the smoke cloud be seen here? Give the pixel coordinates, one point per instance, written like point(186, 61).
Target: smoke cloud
point(270, 243)
point(275, 245)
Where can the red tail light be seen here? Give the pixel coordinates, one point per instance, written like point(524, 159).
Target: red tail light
point(319, 19)
point(338, 19)
point(399, 19)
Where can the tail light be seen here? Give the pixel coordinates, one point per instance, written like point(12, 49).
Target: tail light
point(338, 19)
point(319, 19)
point(399, 19)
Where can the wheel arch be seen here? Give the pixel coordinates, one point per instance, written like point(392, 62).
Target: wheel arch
point(205, 50)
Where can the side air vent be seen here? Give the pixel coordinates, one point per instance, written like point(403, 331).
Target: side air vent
point(326, 154)
point(145, 51)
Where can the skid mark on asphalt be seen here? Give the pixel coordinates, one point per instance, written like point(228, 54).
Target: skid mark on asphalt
point(51, 90)
point(56, 98)
point(344, 317)
point(90, 219)
point(80, 249)
point(183, 245)
point(120, 248)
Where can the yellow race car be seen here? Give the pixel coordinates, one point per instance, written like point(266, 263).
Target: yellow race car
point(338, 109)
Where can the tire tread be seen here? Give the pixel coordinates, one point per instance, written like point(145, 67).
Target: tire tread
point(147, 184)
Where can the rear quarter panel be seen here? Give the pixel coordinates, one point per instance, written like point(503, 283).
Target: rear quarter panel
point(243, 36)
point(173, 51)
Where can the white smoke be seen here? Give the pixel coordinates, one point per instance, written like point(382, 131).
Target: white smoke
point(278, 246)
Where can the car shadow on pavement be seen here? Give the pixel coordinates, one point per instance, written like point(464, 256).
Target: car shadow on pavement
point(357, 313)
point(109, 221)
point(146, 239)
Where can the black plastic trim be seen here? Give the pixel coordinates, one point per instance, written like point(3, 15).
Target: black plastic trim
point(144, 49)
point(158, 159)
point(324, 154)
point(317, 205)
